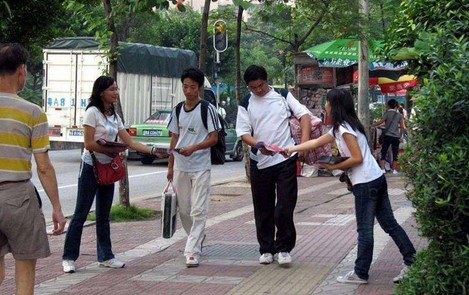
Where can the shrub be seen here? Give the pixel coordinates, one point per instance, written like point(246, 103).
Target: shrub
point(436, 158)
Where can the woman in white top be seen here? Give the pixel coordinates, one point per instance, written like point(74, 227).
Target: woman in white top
point(100, 122)
point(369, 184)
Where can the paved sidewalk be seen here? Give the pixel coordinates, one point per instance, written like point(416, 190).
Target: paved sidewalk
point(326, 247)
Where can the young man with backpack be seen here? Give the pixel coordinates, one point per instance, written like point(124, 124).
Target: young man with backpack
point(263, 120)
point(189, 161)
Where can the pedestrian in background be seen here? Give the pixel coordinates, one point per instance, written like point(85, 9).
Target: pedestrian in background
point(23, 133)
point(370, 188)
point(394, 126)
point(263, 119)
point(99, 122)
point(189, 167)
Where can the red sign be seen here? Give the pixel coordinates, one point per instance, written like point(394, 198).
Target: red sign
point(316, 75)
point(397, 86)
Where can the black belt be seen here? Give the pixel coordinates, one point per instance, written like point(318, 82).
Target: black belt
point(16, 181)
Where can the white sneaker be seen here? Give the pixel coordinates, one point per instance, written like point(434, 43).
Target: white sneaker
point(112, 263)
point(68, 266)
point(192, 261)
point(266, 258)
point(284, 258)
point(351, 278)
point(395, 172)
point(401, 274)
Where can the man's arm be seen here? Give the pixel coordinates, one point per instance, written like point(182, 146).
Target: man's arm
point(46, 174)
point(305, 123)
point(211, 140)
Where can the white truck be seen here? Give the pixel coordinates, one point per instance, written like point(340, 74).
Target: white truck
point(148, 79)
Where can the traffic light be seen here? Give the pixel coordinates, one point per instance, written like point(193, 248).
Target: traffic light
point(220, 36)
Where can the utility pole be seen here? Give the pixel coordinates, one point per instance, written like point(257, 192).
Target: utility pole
point(363, 67)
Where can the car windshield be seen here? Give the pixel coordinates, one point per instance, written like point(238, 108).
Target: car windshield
point(159, 117)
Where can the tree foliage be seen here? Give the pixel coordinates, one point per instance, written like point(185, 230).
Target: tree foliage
point(435, 160)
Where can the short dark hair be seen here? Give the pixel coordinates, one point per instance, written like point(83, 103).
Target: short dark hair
point(194, 74)
point(255, 72)
point(12, 56)
point(392, 103)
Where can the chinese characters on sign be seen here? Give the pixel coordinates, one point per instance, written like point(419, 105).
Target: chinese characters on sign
point(316, 75)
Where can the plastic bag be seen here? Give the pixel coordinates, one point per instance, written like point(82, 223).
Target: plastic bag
point(168, 211)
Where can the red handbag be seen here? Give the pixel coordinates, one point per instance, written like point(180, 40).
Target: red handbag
point(108, 173)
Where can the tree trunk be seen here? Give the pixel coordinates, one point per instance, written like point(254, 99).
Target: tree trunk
point(203, 36)
point(363, 70)
point(124, 183)
point(239, 20)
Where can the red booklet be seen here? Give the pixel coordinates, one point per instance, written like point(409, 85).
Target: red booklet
point(274, 148)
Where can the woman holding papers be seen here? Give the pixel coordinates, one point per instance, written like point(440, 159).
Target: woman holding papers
point(369, 184)
point(101, 123)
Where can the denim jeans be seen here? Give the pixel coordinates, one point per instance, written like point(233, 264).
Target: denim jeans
point(87, 189)
point(274, 194)
point(371, 199)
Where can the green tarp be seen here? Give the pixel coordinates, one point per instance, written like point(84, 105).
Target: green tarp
point(137, 58)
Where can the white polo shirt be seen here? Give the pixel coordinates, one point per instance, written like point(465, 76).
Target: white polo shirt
point(369, 169)
point(267, 117)
point(191, 131)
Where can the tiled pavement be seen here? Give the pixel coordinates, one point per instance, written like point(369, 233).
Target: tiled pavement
point(326, 247)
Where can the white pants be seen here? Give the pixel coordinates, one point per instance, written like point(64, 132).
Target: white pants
point(193, 191)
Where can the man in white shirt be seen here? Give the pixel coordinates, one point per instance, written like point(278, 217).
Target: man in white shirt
point(263, 119)
point(189, 161)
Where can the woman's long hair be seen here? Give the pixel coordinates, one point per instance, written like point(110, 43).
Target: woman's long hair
point(343, 110)
point(101, 84)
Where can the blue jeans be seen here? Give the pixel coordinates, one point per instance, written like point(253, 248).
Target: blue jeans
point(87, 189)
point(371, 199)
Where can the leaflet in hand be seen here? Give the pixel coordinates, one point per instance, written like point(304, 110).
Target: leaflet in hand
point(330, 159)
point(273, 148)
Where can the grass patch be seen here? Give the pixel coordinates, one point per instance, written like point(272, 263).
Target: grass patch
point(120, 213)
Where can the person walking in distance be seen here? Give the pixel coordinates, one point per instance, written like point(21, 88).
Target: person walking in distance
point(394, 126)
point(99, 122)
point(369, 185)
point(189, 160)
point(262, 120)
point(23, 134)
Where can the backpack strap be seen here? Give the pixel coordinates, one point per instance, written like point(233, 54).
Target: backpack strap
point(178, 110)
point(245, 100)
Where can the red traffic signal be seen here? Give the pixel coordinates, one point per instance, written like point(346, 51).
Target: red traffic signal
point(220, 36)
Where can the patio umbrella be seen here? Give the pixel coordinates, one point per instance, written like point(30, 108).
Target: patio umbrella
point(391, 86)
point(340, 53)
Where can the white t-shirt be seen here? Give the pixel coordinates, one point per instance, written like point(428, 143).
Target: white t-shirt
point(369, 169)
point(268, 118)
point(191, 131)
point(106, 127)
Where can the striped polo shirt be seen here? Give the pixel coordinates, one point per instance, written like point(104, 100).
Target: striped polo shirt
point(23, 131)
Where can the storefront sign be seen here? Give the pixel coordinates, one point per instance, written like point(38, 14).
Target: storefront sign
point(316, 75)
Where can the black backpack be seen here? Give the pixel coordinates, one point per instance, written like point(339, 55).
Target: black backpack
point(217, 151)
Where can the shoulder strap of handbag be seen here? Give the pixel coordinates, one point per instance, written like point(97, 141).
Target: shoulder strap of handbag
point(93, 157)
point(392, 120)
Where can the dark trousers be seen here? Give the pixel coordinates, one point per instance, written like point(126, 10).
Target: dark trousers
point(274, 194)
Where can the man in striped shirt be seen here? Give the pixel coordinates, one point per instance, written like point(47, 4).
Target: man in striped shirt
point(23, 133)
